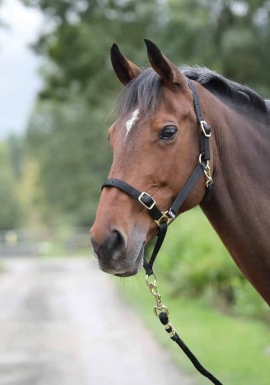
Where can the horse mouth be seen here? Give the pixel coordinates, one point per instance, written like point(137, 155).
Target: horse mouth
point(138, 264)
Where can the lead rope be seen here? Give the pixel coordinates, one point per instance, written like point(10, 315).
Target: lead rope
point(162, 312)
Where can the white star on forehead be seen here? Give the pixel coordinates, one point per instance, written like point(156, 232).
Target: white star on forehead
point(131, 121)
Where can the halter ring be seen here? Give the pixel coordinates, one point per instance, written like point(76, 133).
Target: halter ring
point(164, 217)
point(206, 165)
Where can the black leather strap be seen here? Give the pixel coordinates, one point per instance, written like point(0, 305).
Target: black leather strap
point(188, 186)
point(206, 129)
point(113, 182)
point(161, 236)
point(145, 199)
point(196, 100)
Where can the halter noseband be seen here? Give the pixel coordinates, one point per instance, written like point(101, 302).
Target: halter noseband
point(163, 218)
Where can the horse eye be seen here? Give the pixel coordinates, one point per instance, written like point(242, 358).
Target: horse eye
point(167, 132)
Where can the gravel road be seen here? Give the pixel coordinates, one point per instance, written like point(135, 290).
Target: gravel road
point(62, 322)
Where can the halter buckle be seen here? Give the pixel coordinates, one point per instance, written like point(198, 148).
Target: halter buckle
point(140, 199)
point(206, 134)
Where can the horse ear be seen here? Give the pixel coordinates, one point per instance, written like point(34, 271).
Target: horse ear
point(163, 66)
point(124, 69)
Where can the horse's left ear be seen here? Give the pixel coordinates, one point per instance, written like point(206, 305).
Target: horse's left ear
point(163, 66)
point(124, 69)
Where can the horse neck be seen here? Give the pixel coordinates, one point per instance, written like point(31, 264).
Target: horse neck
point(238, 206)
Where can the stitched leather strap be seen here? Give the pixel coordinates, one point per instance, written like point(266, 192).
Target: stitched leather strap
point(206, 129)
point(145, 199)
point(190, 183)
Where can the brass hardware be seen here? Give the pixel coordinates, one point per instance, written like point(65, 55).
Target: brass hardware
point(140, 200)
point(153, 288)
point(159, 308)
point(169, 326)
point(201, 162)
point(202, 122)
point(150, 284)
point(164, 217)
point(207, 171)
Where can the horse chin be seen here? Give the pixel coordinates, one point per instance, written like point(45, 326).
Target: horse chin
point(138, 264)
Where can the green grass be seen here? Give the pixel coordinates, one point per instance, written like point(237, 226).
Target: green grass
point(235, 350)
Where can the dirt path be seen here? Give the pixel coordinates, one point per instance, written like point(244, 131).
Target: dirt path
point(62, 322)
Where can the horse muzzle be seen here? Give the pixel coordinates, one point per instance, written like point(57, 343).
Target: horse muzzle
point(115, 257)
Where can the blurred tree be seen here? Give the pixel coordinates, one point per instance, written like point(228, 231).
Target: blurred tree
point(67, 128)
point(204, 32)
point(10, 208)
point(73, 156)
point(231, 37)
point(80, 36)
point(2, 21)
point(15, 150)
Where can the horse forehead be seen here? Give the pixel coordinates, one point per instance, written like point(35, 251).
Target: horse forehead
point(132, 120)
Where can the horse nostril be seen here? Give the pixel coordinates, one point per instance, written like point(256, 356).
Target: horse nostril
point(116, 241)
point(111, 248)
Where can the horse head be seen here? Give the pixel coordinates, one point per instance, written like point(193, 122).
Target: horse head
point(155, 144)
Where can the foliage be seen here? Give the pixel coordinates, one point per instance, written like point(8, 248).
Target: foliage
point(234, 349)
point(67, 140)
point(10, 208)
point(204, 32)
point(67, 130)
point(197, 265)
point(67, 127)
point(209, 32)
point(86, 31)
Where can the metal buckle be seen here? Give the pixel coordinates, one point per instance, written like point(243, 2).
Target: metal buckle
point(202, 123)
point(165, 215)
point(140, 200)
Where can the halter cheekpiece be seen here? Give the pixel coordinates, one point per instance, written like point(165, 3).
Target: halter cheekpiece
point(163, 218)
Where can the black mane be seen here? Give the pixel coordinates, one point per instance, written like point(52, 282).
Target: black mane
point(145, 91)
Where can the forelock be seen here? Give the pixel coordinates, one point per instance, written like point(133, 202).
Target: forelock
point(143, 92)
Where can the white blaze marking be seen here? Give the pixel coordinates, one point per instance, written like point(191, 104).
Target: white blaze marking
point(131, 121)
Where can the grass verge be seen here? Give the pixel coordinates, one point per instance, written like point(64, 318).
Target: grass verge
point(235, 350)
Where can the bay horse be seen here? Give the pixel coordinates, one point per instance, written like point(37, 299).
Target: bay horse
point(156, 143)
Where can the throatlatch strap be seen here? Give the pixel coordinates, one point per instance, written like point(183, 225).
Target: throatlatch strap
point(190, 183)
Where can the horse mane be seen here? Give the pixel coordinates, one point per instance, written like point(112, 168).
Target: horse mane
point(230, 92)
point(144, 91)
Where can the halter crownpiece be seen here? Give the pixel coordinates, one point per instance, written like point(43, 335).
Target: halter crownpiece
point(163, 218)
